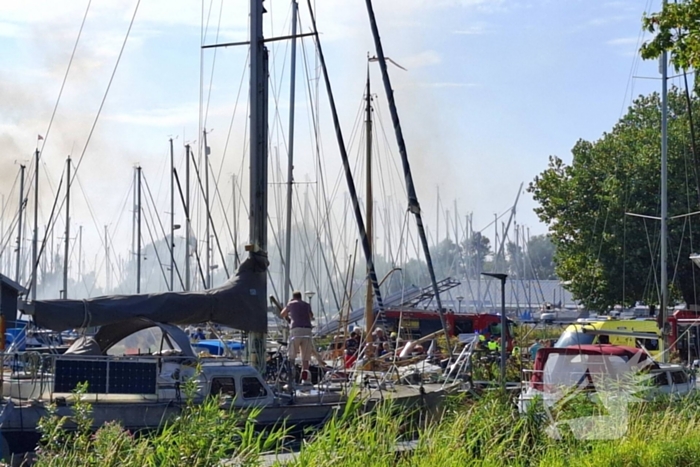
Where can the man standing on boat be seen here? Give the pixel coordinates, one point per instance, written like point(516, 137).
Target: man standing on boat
point(300, 317)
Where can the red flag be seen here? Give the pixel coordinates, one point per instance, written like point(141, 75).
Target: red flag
point(39, 137)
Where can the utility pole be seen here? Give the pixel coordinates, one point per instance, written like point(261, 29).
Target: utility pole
point(172, 217)
point(138, 230)
point(287, 286)
point(66, 251)
point(35, 237)
point(18, 275)
point(187, 220)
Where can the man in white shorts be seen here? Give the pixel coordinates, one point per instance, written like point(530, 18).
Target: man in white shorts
point(300, 316)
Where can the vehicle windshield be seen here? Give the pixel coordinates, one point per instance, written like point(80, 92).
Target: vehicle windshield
point(569, 338)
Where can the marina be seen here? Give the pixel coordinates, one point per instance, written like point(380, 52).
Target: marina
point(287, 234)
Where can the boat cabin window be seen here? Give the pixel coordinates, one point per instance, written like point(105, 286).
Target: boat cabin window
point(143, 342)
point(679, 377)
point(223, 386)
point(660, 379)
point(569, 338)
point(252, 388)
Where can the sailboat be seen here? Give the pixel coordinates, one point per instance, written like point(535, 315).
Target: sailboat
point(142, 388)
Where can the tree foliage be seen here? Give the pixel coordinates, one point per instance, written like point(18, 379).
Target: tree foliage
point(677, 29)
point(535, 261)
point(609, 256)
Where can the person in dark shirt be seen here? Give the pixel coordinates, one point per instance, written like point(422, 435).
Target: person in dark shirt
point(299, 315)
point(352, 345)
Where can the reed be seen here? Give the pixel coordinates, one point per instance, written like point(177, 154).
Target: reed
point(481, 432)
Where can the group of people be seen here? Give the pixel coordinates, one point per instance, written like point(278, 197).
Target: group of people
point(378, 344)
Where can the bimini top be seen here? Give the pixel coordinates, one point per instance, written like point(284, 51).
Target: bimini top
point(554, 363)
point(240, 304)
point(111, 334)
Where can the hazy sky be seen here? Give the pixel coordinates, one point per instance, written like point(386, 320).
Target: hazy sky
point(492, 88)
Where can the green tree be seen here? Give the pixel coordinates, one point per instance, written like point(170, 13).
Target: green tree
point(676, 31)
point(540, 258)
point(476, 251)
point(446, 257)
point(608, 256)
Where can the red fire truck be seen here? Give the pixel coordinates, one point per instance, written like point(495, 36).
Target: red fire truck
point(684, 335)
point(419, 323)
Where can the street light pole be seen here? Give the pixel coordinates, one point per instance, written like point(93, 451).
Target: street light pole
point(504, 324)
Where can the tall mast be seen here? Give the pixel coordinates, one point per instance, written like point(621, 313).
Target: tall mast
point(413, 204)
point(18, 277)
point(138, 229)
point(369, 308)
point(287, 286)
point(35, 236)
point(235, 222)
point(133, 217)
point(357, 211)
point(80, 253)
point(664, 197)
point(108, 264)
point(187, 220)
point(172, 218)
point(66, 250)
point(437, 219)
point(258, 161)
point(207, 242)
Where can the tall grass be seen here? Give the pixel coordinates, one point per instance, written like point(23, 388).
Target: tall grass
point(483, 432)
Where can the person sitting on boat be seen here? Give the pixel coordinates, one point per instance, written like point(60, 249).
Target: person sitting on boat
point(300, 317)
point(379, 339)
point(534, 348)
point(351, 347)
point(199, 335)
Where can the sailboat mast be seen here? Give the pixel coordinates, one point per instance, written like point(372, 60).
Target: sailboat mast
point(35, 236)
point(258, 161)
point(66, 250)
point(80, 253)
point(413, 204)
point(187, 220)
point(108, 264)
point(207, 242)
point(138, 229)
point(235, 222)
point(290, 160)
point(18, 277)
point(172, 218)
point(664, 198)
point(369, 309)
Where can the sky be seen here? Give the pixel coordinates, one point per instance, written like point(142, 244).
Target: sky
point(491, 89)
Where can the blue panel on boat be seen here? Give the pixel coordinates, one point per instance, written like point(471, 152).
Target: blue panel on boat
point(69, 373)
point(132, 378)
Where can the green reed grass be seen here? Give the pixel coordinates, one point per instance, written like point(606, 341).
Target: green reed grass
point(472, 432)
